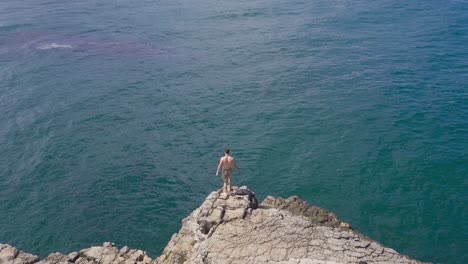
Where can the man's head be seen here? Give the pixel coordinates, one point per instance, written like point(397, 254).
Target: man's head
point(226, 150)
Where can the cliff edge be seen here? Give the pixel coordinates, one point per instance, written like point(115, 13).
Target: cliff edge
point(236, 229)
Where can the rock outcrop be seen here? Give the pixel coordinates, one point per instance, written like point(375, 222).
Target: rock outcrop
point(108, 253)
point(9, 254)
point(236, 229)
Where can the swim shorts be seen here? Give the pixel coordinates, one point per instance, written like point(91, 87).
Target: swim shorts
point(227, 174)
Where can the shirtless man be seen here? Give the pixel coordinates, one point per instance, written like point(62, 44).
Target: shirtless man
point(227, 162)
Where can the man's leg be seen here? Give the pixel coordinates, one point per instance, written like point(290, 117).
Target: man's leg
point(229, 183)
point(224, 182)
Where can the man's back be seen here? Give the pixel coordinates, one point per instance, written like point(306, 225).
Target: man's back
point(227, 162)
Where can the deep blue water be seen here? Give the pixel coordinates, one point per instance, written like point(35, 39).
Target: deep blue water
point(114, 114)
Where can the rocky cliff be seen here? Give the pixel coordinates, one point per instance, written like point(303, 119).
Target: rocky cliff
point(236, 229)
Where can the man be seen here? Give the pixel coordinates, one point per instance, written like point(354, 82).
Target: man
point(227, 162)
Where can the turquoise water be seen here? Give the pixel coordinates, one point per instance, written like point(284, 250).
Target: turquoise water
point(114, 115)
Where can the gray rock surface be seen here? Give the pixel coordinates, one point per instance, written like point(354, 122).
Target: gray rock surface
point(108, 253)
point(236, 229)
point(9, 254)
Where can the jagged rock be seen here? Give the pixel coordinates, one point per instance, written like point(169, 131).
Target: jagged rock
point(108, 253)
point(56, 258)
point(299, 207)
point(9, 254)
point(235, 229)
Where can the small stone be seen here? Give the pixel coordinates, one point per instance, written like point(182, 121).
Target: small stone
point(146, 259)
point(124, 250)
point(137, 255)
point(93, 252)
point(390, 250)
point(72, 256)
point(345, 225)
point(108, 244)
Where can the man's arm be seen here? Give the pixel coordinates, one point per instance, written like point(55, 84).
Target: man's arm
point(235, 165)
point(219, 166)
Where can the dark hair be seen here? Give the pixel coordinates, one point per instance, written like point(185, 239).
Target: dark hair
point(226, 150)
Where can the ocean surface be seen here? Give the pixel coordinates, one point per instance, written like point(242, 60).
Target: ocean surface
point(113, 116)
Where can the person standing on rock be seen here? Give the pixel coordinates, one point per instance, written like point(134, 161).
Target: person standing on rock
point(227, 162)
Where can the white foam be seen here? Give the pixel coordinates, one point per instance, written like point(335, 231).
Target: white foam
point(54, 46)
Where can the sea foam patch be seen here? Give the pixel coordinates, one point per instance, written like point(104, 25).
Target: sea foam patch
point(54, 46)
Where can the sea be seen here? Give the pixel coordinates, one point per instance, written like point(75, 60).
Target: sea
point(114, 114)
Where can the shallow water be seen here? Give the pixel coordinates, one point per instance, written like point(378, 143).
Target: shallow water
point(114, 115)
